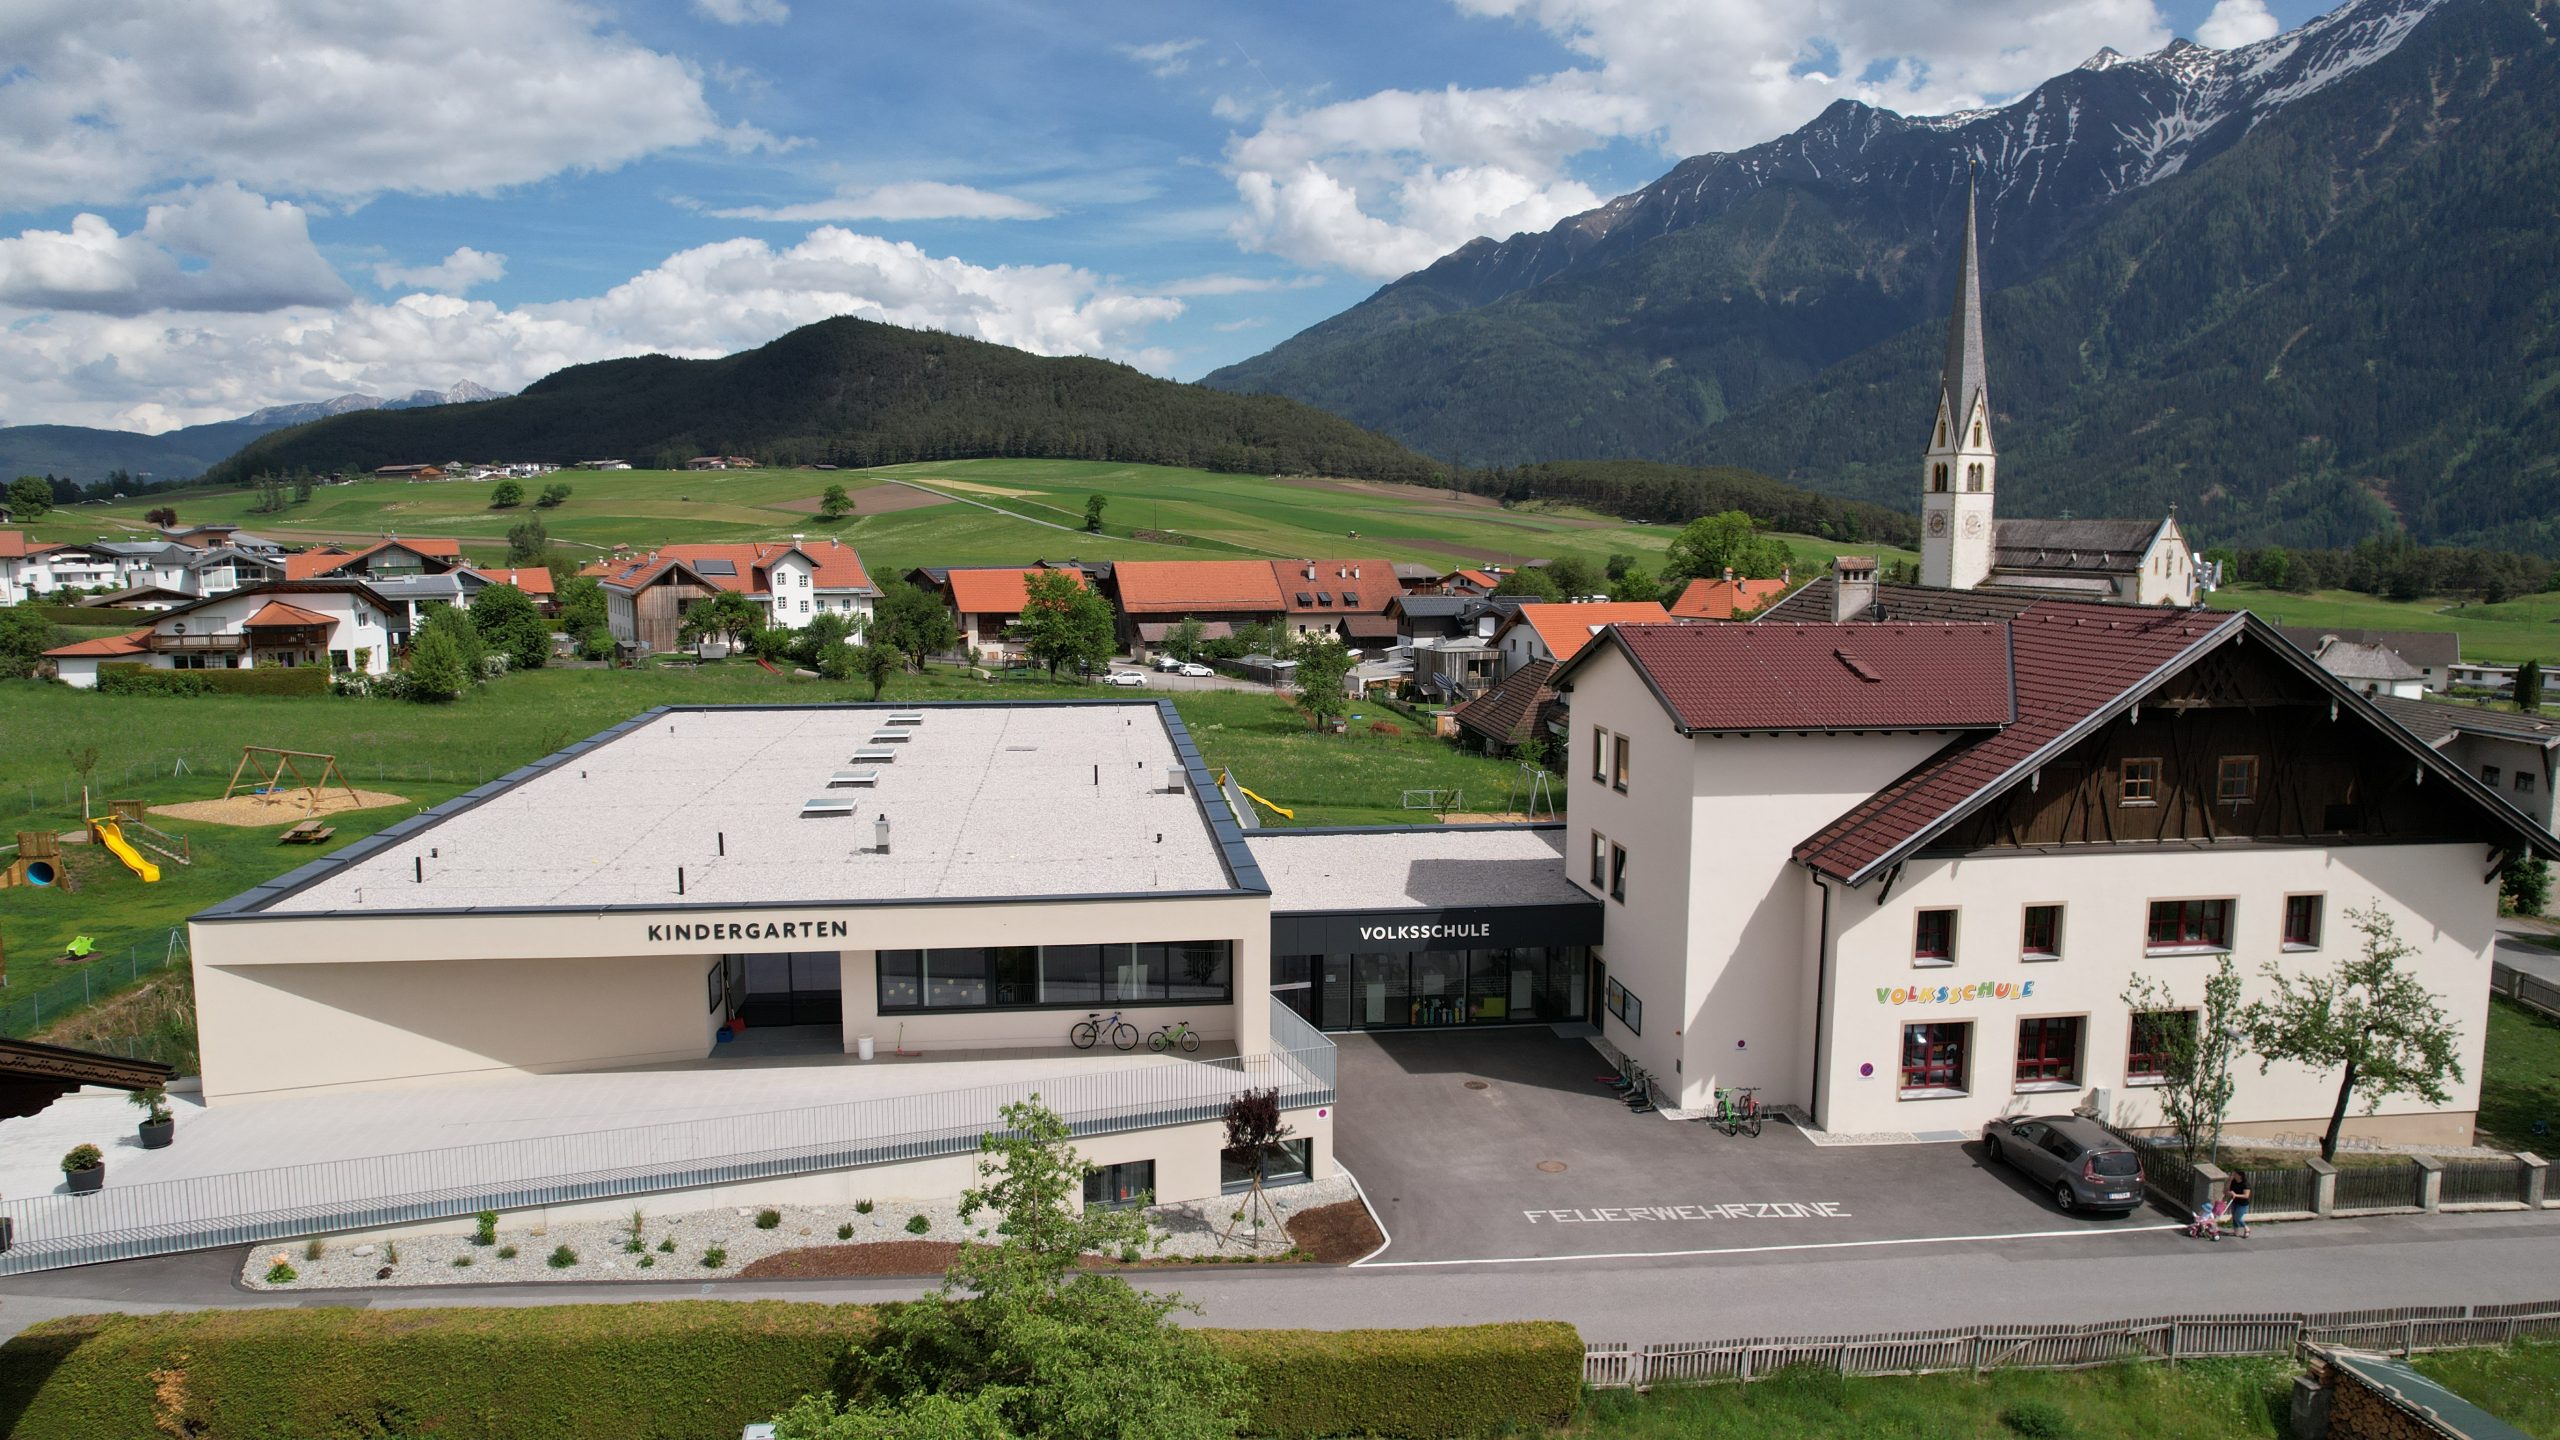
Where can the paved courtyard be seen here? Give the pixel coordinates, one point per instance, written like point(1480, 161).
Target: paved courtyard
point(1543, 1162)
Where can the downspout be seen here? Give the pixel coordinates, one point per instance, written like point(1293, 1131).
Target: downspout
point(1819, 1091)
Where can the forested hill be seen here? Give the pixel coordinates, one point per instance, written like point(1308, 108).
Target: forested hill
point(851, 392)
point(2336, 312)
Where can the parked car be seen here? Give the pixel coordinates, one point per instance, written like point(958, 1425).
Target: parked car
point(2086, 1165)
point(1196, 672)
point(1125, 677)
point(1166, 663)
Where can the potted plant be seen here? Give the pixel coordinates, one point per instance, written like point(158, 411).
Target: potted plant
point(84, 1169)
point(158, 1127)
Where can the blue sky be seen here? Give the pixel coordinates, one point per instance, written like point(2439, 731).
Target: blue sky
point(211, 205)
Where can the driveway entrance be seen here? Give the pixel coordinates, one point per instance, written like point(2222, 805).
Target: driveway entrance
point(1495, 1145)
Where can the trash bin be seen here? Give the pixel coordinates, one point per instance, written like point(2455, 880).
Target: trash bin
point(862, 1046)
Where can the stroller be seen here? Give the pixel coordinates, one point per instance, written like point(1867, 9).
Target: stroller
point(2210, 1221)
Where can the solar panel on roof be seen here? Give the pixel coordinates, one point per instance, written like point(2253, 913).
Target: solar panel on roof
point(715, 567)
point(1350, 597)
point(1305, 599)
point(1324, 597)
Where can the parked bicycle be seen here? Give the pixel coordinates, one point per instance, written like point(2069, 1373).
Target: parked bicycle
point(1167, 1036)
point(1737, 1111)
point(1124, 1036)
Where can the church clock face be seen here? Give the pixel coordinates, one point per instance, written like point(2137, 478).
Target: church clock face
point(1973, 524)
point(1938, 522)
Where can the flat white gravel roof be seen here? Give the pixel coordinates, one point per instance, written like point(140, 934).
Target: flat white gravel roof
point(997, 802)
point(1447, 868)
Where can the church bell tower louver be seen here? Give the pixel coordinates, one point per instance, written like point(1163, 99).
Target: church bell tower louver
point(1960, 470)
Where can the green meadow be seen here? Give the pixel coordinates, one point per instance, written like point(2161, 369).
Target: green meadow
point(2525, 628)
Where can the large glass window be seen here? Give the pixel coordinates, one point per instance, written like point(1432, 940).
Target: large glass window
point(2049, 1050)
point(1057, 976)
point(2190, 925)
point(1933, 1058)
point(1117, 1187)
point(2156, 1034)
point(1289, 1162)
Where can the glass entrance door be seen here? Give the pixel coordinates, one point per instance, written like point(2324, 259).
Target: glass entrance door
point(801, 987)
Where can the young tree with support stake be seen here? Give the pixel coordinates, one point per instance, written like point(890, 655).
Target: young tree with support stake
point(2371, 1021)
point(2197, 1050)
point(1253, 1127)
point(1063, 623)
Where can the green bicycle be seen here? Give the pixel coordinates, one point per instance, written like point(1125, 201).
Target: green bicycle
point(1737, 1111)
point(1178, 1033)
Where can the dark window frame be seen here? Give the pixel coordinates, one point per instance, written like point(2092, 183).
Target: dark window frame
point(2051, 946)
point(2302, 921)
point(1617, 872)
point(2202, 926)
point(1618, 748)
point(1942, 919)
point(2045, 1066)
point(1102, 1181)
point(1943, 1057)
point(2246, 773)
point(2143, 772)
point(1158, 956)
point(2150, 1066)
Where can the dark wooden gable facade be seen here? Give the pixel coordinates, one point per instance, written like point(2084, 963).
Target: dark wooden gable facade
point(2240, 746)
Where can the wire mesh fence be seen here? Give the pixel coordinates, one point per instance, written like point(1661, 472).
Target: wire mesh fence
point(32, 1000)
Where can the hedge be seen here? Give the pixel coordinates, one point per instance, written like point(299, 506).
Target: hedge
point(680, 1369)
point(138, 679)
point(87, 617)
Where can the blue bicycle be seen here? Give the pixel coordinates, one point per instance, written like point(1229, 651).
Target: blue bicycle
point(1083, 1034)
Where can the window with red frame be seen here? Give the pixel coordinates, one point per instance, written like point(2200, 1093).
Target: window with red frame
point(1933, 1056)
point(2040, 937)
point(2049, 1050)
point(2155, 1034)
point(2190, 924)
point(2302, 922)
point(1933, 938)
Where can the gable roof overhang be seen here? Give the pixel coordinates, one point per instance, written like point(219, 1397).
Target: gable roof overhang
point(284, 587)
point(2243, 625)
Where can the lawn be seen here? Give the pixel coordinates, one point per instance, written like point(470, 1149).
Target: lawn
point(2519, 1384)
point(2515, 630)
point(2519, 1077)
point(429, 754)
point(2205, 1400)
point(999, 512)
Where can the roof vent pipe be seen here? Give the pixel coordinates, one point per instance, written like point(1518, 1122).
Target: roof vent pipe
point(880, 832)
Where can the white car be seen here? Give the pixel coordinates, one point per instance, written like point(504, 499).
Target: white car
point(1165, 663)
point(1196, 672)
point(1125, 677)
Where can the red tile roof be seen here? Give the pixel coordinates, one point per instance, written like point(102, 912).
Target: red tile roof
point(998, 592)
point(129, 643)
point(329, 559)
point(1207, 587)
point(1722, 599)
point(1514, 707)
point(534, 581)
point(276, 612)
point(835, 566)
point(1565, 629)
point(1474, 577)
point(2073, 661)
point(1826, 677)
point(1338, 587)
point(312, 564)
point(13, 544)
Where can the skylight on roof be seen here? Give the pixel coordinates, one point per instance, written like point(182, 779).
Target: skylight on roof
point(716, 567)
point(857, 778)
point(826, 806)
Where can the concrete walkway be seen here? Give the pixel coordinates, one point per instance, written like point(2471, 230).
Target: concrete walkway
point(2517, 950)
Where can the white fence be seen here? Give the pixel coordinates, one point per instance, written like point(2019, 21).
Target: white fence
point(2067, 1347)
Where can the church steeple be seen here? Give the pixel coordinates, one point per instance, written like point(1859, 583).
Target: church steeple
point(1957, 541)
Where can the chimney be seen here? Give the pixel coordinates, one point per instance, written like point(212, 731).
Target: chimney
point(880, 832)
point(1310, 571)
point(1728, 574)
point(1355, 572)
point(1853, 591)
point(1786, 574)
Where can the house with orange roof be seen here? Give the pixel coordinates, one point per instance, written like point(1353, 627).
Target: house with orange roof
point(1727, 598)
point(646, 595)
point(1344, 598)
point(382, 560)
point(1558, 632)
point(1154, 596)
point(986, 600)
point(340, 624)
point(1469, 582)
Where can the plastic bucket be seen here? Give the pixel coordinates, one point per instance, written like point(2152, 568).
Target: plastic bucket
point(862, 1047)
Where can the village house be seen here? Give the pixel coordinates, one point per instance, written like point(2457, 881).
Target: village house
point(646, 596)
point(339, 624)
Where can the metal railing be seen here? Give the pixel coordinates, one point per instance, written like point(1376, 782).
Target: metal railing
point(2530, 991)
point(2066, 1347)
point(120, 1223)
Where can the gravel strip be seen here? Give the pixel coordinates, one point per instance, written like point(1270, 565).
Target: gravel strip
point(674, 1246)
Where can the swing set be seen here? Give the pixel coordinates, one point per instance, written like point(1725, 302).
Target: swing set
point(263, 768)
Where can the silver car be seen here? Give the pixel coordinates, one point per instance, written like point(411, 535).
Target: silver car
point(2085, 1165)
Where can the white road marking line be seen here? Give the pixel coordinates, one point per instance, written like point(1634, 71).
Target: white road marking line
point(1384, 1239)
point(1756, 1249)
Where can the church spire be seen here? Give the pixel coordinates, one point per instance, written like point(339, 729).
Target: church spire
point(1966, 378)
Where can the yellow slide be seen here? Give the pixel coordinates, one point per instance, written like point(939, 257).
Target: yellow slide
point(111, 835)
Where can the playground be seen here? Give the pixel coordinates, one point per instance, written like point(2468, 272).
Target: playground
point(282, 787)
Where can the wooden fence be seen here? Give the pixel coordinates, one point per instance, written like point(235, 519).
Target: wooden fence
point(2067, 1347)
point(2529, 991)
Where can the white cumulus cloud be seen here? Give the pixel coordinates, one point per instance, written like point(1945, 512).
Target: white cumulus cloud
point(744, 12)
point(1164, 59)
point(2234, 23)
point(1381, 183)
point(323, 97)
point(454, 274)
point(165, 368)
point(904, 200)
point(213, 248)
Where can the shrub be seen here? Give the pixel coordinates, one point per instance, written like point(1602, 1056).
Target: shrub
point(917, 1225)
point(313, 1248)
point(667, 1246)
point(390, 1252)
point(82, 1157)
point(714, 1258)
point(647, 1261)
point(768, 1219)
point(461, 1262)
point(485, 1231)
point(562, 1258)
point(282, 1272)
point(678, 1368)
point(506, 1252)
point(136, 679)
point(2036, 1420)
point(861, 1207)
point(845, 1231)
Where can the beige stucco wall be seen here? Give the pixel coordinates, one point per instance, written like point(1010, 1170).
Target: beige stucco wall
point(2434, 892)
point(291, 1003)
point(2472, 752)
point(1713, 935)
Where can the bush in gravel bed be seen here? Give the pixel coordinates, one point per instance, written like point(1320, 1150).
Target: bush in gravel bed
point(486, 1231)
point(768, 1219)
point(282, 1272)
point(714, 1258)
point(562, 1258)
point(506, 1252)
point(918, 1225)
point(861, 1207)
point(667, 1246)
point(845, 1231)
